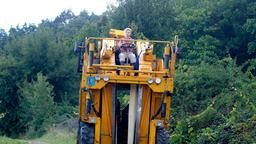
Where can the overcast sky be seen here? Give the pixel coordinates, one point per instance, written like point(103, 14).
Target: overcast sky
point(14, 12)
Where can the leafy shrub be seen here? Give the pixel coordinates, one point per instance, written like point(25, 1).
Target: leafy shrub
point(37, 105)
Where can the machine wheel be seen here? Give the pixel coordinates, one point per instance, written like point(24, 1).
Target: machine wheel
point(162, 136)
point(86, 134)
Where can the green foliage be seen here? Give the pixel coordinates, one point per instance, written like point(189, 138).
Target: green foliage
point(8, 96)
point(3, 39)
point(208, 117)
point(28, 50)
point(242, 132)
point(5, 140)
point(197, 86)
point(124, 100)
point(37, 106)
point(214, 100)
point(220, 104)
point(155, 19)
point(209, 30)
point(123, 95)
point(227, 22)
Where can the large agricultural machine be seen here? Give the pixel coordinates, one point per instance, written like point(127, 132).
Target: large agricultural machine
point(148, 83)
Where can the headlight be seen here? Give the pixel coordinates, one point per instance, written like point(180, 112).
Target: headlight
point(150, 80)
point(97, 77)
point(105, 78)
point(158, 80)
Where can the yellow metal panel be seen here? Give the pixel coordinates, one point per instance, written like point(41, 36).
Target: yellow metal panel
point(165, 85)
point(116, 33)
point(85, 62)
point(160, 67)
point(145, 116)
point(134, 40)
point(147, 130)
point(106, 53)
point(96, 98)
point(144, 65)
point(97, 132)
point(167, 50)
point(106, 118)
point(112, 66)
point(152, 137)
point(82, 105)
point(156, 103)
point(99, 46)
point(168, 111)
point(91, 48)
point(143, 140)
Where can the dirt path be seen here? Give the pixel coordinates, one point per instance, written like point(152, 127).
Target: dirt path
point(37, 142)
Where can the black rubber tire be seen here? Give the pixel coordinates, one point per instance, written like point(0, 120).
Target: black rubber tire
point(162, 136)
point(86, 134)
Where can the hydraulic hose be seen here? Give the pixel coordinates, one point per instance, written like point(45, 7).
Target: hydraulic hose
point(92, 104)
point(160, 108)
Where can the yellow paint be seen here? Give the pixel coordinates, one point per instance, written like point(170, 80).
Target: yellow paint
point(97, 132)
point(106, 117)
point(168, 112)
point(150, 67)
point(166, 83)
point(116, 33)
point(167, 50)
point(82, 105)
point(145, 116)
point(152, 137)
point(91, 48)
point(96, 98)
point(99, 46)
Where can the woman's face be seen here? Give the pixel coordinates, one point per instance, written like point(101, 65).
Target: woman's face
point(128, 33)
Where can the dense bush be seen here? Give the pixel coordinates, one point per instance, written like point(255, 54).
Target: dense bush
point(37, 105)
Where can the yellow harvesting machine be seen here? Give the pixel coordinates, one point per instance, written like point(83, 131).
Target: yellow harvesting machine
point(147, 86)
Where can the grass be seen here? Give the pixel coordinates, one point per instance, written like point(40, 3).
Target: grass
point(5, 140)
point(63, 133)
point(52, 137)
point(58, 137)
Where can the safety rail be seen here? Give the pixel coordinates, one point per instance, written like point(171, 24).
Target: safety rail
point(124, 68)
point(112, 66)
point(170, 51)
point(132, 40)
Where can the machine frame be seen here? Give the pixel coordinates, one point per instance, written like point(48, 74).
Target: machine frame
point(151, 87)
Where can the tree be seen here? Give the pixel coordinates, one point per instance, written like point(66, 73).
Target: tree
point(229, 24)
point(155, 19)
point(213, 104)
point(10, 74)
point(37, 106)
point(3, 39)
point(25, 56)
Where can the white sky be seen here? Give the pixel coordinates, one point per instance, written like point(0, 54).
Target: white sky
point(14, 12)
